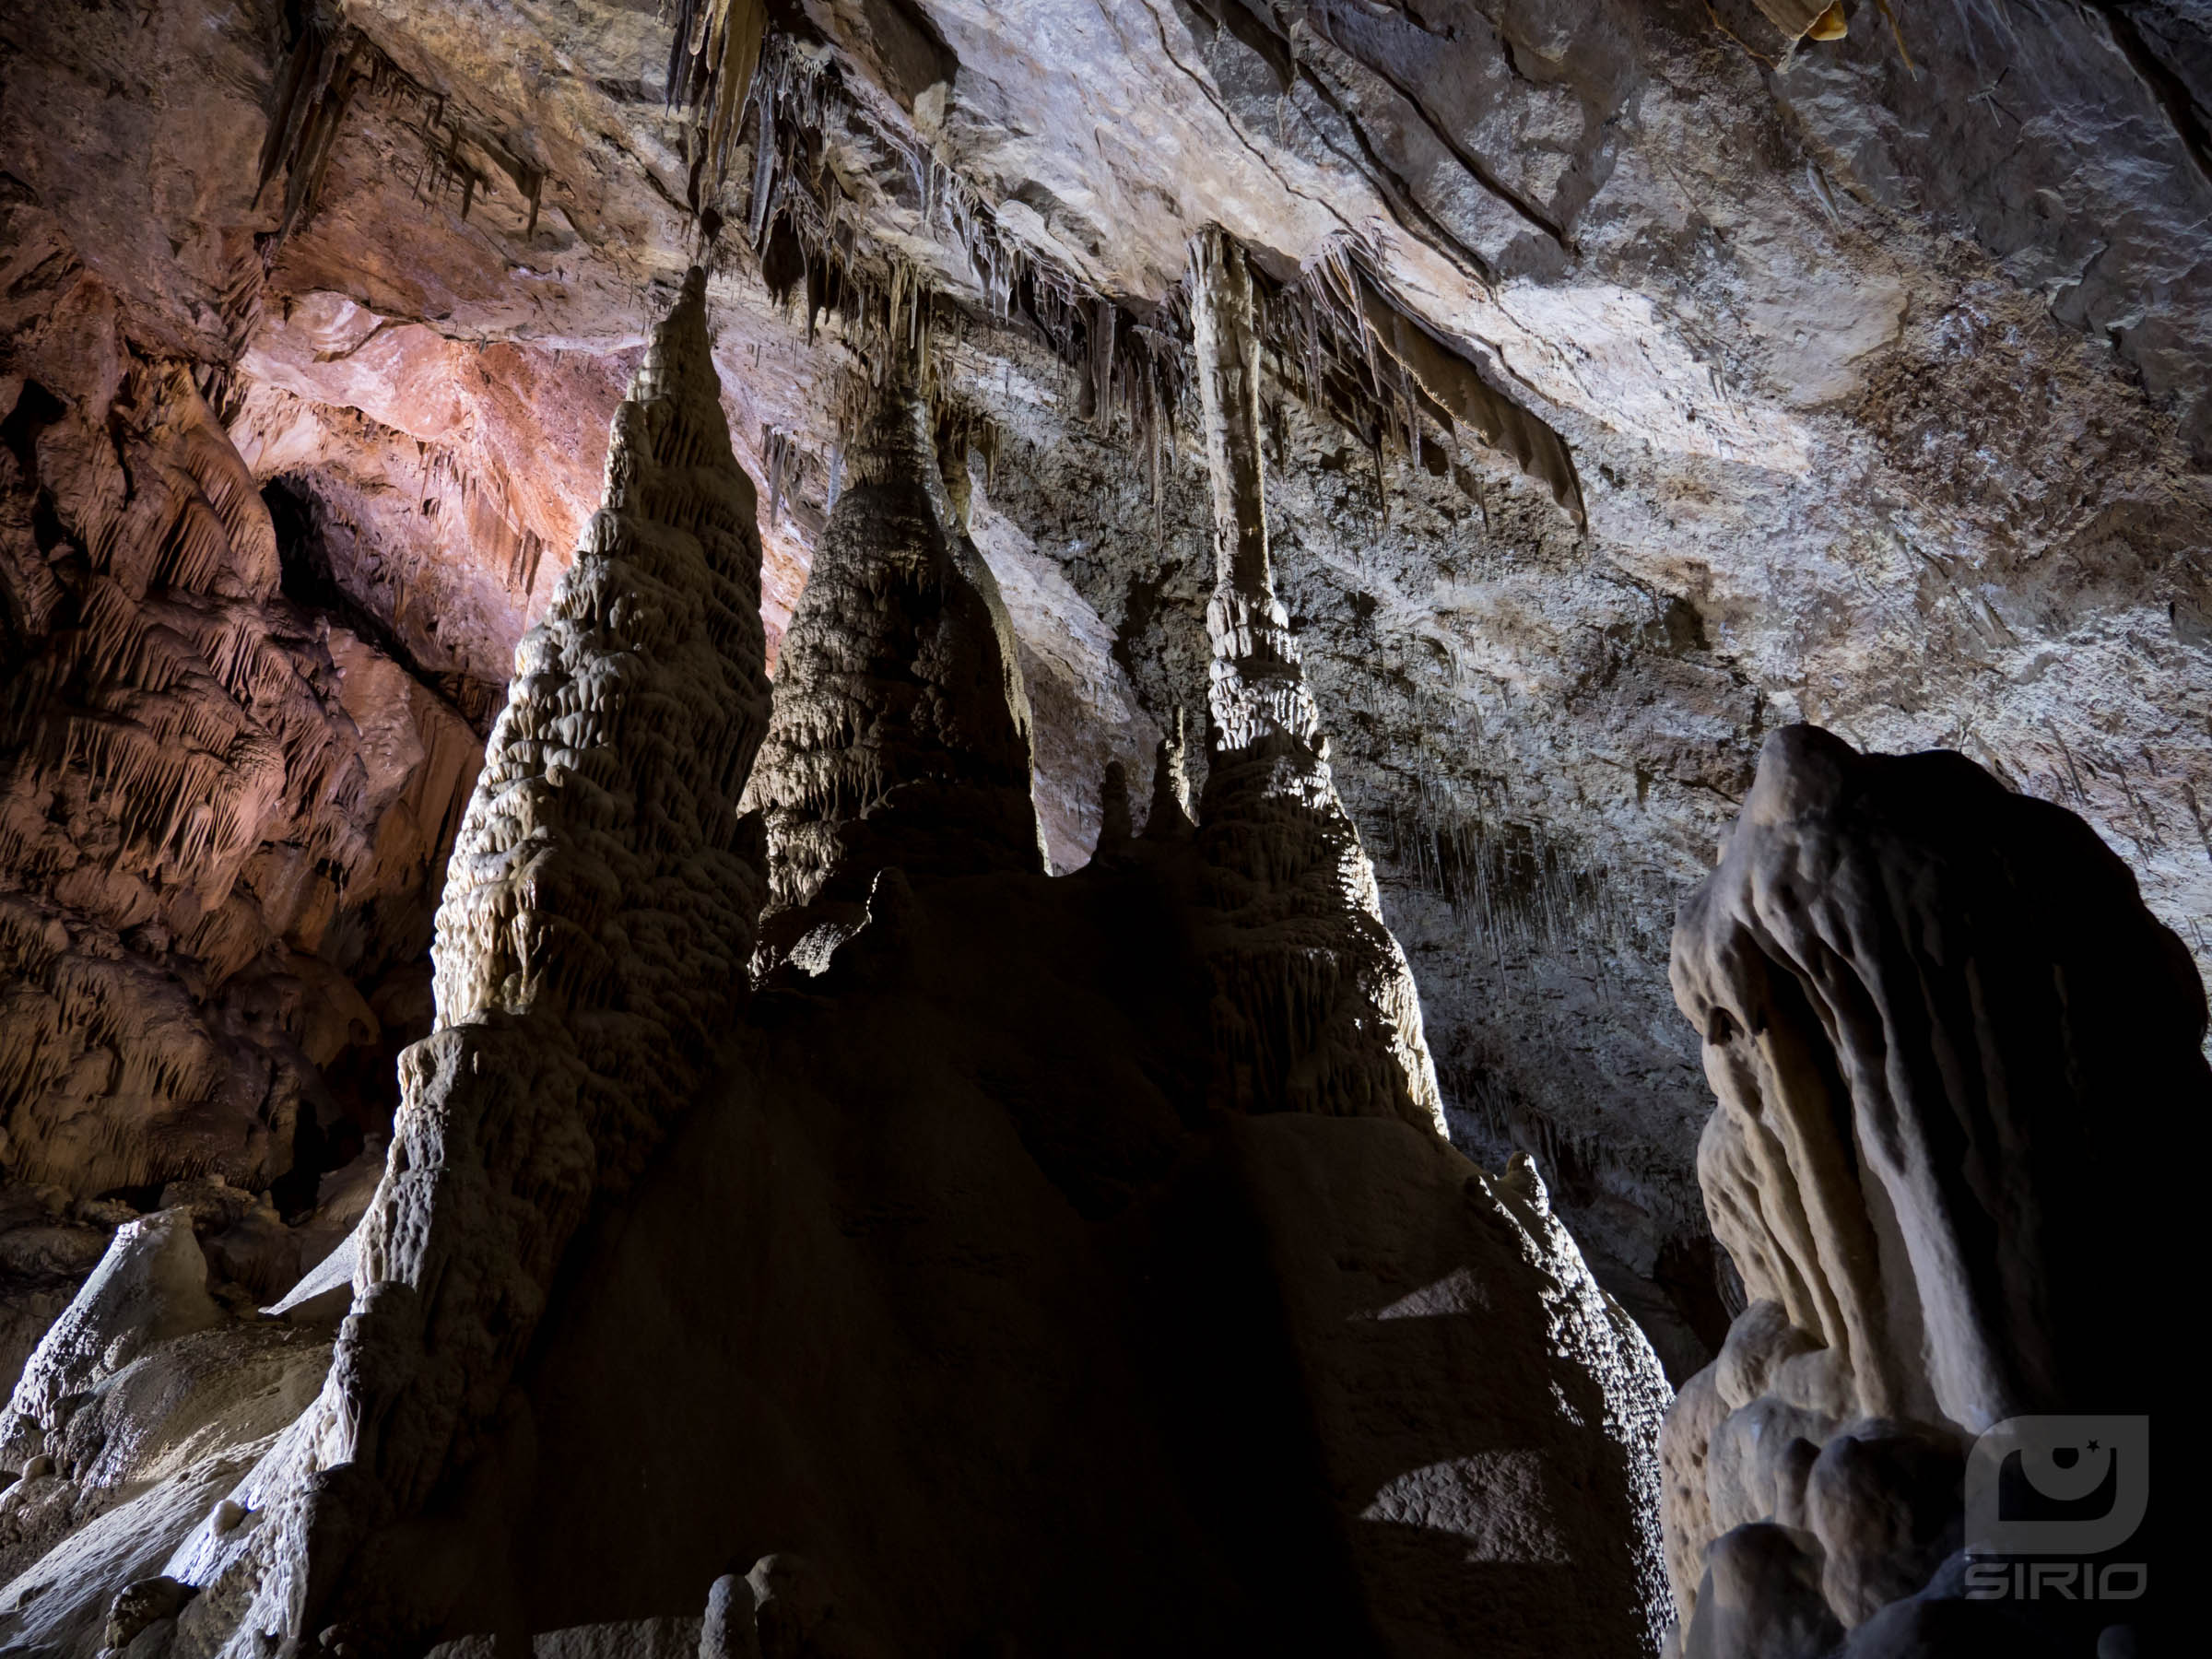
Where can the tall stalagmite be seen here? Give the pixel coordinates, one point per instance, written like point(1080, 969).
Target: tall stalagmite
point(1315, 1032)
point(907, 1312)
point(901, 735)
point(1943, 1030)
point(1315, 1007)
point(591, 948)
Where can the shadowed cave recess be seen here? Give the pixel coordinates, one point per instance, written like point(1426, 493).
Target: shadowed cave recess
point(844, 829)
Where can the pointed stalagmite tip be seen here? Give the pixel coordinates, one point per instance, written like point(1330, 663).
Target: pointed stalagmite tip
point(679, 361)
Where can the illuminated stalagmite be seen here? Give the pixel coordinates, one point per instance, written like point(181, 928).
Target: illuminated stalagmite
point(1315, 1007)
point(590, 946)
point(940, 1285)
point(1315, 1052)
point(901, 732)
point(1943, 1027)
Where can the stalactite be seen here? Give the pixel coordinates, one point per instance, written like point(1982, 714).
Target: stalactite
point(1335, 338)
point(785, 463)
point(1365, 360)
point(329, 65)
point(1169, 818)
point(712, 59)
point(173, 727)
point(1130, 364)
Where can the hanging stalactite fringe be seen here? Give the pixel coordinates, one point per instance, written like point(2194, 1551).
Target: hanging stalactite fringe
point(712, 59)
point(1352, 352)
point(329, 68)
point(810, 239)
point(1335, 338)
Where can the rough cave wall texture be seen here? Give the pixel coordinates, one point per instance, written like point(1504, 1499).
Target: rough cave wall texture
point(1883, 389)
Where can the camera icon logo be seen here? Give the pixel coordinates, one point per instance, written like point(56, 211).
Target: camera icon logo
point(2072, 1486)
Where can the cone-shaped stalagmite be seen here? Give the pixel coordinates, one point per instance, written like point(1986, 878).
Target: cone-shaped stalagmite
point(1169, 818)
point(906, 1307)
point(901, 732)
point(1315, 1008)
point(593, 938)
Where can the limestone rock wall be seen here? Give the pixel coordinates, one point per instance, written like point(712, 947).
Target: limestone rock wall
point(223, 814)
point(1942, 1027)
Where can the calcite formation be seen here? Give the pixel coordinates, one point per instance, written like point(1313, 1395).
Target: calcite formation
point(1881, 387)
point(150, 1287)
point(984, 1314)
point(591, 943)
point(1584, 393)
point(1941, 1027)
point(1315, 1009)
point(223, 815)
point(900, 734)
point(217, 812)
point(1169, 818)
point(906, 1314)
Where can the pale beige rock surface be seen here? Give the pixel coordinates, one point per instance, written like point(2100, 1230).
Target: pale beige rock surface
point(1941, 1025)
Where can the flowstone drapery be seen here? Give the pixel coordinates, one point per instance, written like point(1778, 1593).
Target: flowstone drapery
point(1942, 1027)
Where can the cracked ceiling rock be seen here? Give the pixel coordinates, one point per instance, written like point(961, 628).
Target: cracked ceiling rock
point(1459, 387)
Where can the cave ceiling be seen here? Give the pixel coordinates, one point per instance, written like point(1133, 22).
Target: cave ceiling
point(1880, 363)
